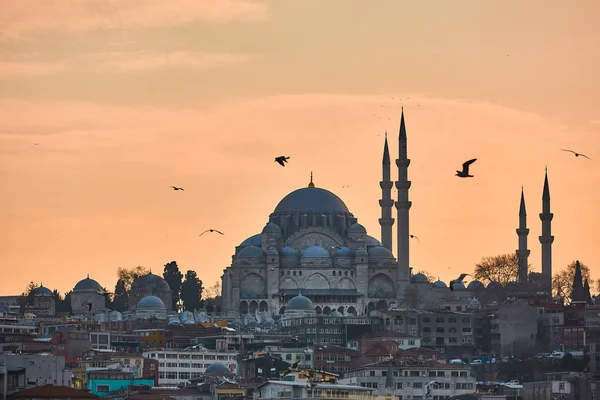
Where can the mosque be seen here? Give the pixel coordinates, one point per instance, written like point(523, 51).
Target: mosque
point(314, 254)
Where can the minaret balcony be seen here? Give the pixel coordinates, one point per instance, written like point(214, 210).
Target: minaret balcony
point(403, 205)
point(522, 231)
point(403, 185)
point(386, 184)
point(403, 163)
point(386, 203)
point(546, 239)
point(546, 217)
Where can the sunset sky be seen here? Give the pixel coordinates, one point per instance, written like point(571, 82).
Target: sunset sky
point(105, 103)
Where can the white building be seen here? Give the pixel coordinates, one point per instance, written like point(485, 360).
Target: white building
point(35, 370)
point(180, 366)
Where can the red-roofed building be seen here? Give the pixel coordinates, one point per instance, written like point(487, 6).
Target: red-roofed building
point(52, 392)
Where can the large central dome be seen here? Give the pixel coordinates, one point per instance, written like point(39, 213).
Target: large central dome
point(311, 199)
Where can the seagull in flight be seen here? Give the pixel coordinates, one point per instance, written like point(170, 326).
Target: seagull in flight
point(281, 160)
point(428, 388)
point(103, 293)
point(211, 230)
point(460, 279)
point(414, 237)
point(88, 304)
point(465, 171)
point(176, 188)
point(577, 154)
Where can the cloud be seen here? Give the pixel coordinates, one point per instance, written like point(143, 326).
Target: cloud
point(15, 68)
point(20, 18)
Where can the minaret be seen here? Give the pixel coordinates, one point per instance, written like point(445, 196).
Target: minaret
point(403, 206)
point(386, 221)
point(546, 239)
point(523, 251)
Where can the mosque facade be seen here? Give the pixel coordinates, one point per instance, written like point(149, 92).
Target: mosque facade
point(313, 246)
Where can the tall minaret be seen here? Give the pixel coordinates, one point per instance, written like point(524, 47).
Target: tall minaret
point(386, 221)
point(546, 239)
point(523, 251)
point(403, 207)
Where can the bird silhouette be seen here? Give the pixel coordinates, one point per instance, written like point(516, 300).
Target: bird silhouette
point(292, 368)
point(460, 279)
point(88, 304)
point(176, 188)
point(103, 293)
point(336, 247)
point(414, 237)
point(281, 160)
point(211, 230)
point(465, 171)
point(577, 154)
point(428, 388)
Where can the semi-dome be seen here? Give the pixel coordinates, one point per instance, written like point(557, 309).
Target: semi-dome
point(251, 252)
point(42, 292)
point(419, 278)
point(380, 252)
point(87, 284)
point(254, 240)
point(475, 285)
point(335, 313)
point(311, 199)
point(217, 369)
point(343, 252)
point(371, 241)
point(300, 303)
point(271, 228)
point(115, 316)
point(494, 285)
point(150, 281)
point(150, 303)
point(361, 252)
point(315, 252)
point(439, 284)
point(357, 228)
point(288, 252)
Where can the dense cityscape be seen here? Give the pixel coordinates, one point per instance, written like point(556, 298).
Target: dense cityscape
point(315, 307)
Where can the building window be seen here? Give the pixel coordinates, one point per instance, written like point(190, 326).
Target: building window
point(102, 388)
point(561, 386)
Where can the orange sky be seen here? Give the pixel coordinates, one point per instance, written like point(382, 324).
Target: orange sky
point(126, 98)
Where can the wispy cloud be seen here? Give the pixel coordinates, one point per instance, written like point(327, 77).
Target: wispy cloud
point(14, 68)
point(21, 18)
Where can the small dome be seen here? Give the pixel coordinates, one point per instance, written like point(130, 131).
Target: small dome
point(150, 303)
point(311, 199)
point(87, 284)
point(251, 252)
point(494, 285)
point(343, 252)
point(380, 252)
point(371, 241)
point(439, 284)
point(458, 285)
point(42, 292)
point(357, 228)
point(271, 228)
point(115, 316)
point(361, 252)
point(473, 285)
point(300, 303)
point(288, 252)
point(255, 240)
point(315, 252)
point(419, 278)
point(335, 313)
point(272, 251)
point(217, 369)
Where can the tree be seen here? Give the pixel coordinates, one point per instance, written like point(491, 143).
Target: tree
point(28, 293)
point(562, 281)
point(503, 269)
point(191, 291)
point(128, 275)
point(174, 278)
point(107, 298)
point(429, 276)
point(66, 303)
point(120, 298)
point(213, 291)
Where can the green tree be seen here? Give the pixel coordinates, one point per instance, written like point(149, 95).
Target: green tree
point(128, 275)
point(503, 268)
point(562, 281)
point(174, 278)
point(66, 303)
point(28, 293)
point(191, 291)
point(120, 298)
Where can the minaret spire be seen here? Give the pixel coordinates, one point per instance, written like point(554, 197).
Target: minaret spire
point(403, 206)
point(546, 239)
point(522, 232)
point(386, 221)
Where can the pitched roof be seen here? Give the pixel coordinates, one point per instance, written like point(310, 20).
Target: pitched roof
point(53, 392)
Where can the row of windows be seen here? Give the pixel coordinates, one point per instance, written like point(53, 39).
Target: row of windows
point(183, 365)
point(440, 329)
point(179, 375)
point(192, 356)
point(419, 385)
point(451, 320)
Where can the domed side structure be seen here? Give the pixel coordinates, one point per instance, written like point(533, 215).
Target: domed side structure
point(86, 296)
point(379, 252)
point(419, 278)
point(271, 228)
point(458, 286)
point(251, 252)
point(43, 301)
point(473, 285)
point(254, 240)
point(343, 252)
point(439, 284)
point(299, 305)
point(150, 285)
point(288, 252)
point(87, 284)
point(494, 285)
point(151, 307)
point(371, 241)
point(217, 369)
point(311, 199)
point(357, 228)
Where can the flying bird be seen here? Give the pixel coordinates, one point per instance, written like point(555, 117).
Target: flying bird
point(281, 160)
point(460, 279)
point(211, 230)
point(465, 171)
point(176, 188)
point(88, 304)
point(577, 154)
point(428, 388)
point(292, 368)
point(414, 237)
point(103, 293)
